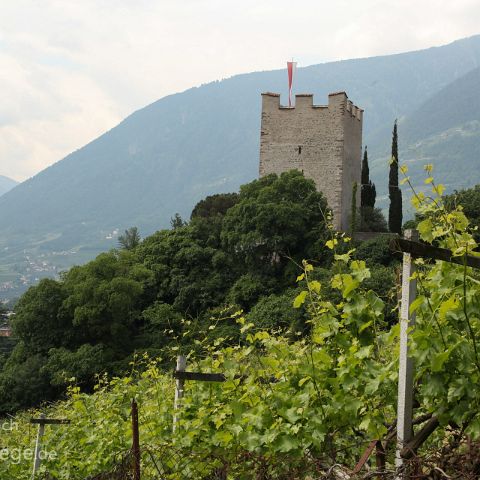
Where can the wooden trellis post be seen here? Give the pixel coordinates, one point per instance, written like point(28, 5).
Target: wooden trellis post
point(405, 373)
point(38, 445)
point(179, 386)
point(41, 422)
point(412, 248)
point(407, 443)
point(135, 441)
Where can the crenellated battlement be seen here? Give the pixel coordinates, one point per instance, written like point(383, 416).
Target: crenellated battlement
point(305, 100)
point(322, 141)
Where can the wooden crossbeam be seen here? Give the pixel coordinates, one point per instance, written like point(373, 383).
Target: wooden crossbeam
point(419, 249)
point(50, 421)
point(41, 422)
point(200, 377)
point(216, 377)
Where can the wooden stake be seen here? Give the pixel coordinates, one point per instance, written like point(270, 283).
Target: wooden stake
point(405, 373)
point(38, 446)
point(41, 422)
point(135, 441)
point(179, 386)
point(380, 457)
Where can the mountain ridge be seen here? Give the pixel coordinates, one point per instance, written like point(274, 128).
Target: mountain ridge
point(443, 131)
point(6, 184)
point(165, 157)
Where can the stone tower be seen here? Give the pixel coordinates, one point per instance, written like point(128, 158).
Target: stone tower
point(324, 142)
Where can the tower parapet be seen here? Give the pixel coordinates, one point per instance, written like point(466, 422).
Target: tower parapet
point(323, 141)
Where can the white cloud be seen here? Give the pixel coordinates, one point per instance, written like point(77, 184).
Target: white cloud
point(70, 70)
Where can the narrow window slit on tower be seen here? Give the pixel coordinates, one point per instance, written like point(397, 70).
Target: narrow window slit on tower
point(299, 149)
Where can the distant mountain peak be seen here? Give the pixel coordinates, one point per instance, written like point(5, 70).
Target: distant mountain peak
point(6, 184)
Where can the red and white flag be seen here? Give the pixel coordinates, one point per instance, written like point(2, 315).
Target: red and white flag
point(291, 67)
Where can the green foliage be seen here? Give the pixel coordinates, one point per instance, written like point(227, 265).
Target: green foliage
point(469, 201)
point(384, 282)
point(79, 326)
point(23, 381)
point(336, 379)
point(446, 340)
point(190, 273)
point(40, 321)
point(177, 222)
point(411, 224)
point(162, 326)
point(275, 219)
point(328, 387)
point(83, 364)
point(395, 194)
point(372, 220)
point(100, 427)
point(130, 239)
point(333, 390)
point(214, 205)
point(393, 173)
point(246, 291)
point(162, 292)
point(368, 193)
point(377, 251)
point(104, 298)
point(394, 211)
point(276, 311)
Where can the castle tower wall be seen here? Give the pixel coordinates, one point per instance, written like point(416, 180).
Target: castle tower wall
point(324, 142)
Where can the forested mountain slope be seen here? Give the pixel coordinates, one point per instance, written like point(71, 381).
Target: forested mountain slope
point(443, 131)
point(168, 155)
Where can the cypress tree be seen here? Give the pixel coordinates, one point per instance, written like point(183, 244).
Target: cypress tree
point(394, 192)
point(368, 193)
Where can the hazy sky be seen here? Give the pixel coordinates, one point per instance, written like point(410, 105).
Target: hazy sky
point(72, 69)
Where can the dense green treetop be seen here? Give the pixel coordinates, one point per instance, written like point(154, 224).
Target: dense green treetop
point(276, 218)
point(152, 293)
point(130, 239)
point(368, 191)
point(212, 205)
point(40, 321)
